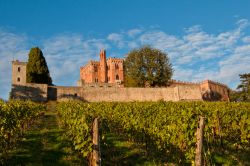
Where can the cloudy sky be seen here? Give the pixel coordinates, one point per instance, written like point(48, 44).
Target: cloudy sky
point(204, 40)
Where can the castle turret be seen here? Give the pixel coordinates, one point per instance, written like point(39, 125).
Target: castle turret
point(18, 72)
point(103, 66)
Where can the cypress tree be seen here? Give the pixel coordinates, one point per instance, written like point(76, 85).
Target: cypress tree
point(37, 69)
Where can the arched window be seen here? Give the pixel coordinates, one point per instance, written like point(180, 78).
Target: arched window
point(117, 77)
point(95, 68)
point(116, 66)
point(18, 79)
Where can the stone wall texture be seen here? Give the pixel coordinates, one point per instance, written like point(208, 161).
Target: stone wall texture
point(42, 92)
point(18, 72)
point(30, 91)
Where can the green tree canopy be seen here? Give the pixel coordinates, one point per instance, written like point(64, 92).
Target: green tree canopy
point(147, 67)
point(37, 69)
point(244, 87)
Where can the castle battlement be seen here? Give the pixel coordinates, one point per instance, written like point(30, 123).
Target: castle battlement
point(183, 82)
point(214, 82)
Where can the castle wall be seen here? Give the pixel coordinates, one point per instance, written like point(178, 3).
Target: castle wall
point(209, 86)
point(30, 91)
point(189, 92)
point(61, 93)
point(128, 94)
point(116, 94)
point(42, 92)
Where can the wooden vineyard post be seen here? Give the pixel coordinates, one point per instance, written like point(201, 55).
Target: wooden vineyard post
point(96, 158)
point(199, 142)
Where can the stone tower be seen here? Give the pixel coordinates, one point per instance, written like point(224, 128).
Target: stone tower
point(103, 66)
point(18, 73)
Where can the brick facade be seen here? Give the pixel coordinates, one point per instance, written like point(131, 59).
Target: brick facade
point(105, 71)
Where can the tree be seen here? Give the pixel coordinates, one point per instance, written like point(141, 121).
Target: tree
point(147, 67)
point(37, 69)
point(244, 87)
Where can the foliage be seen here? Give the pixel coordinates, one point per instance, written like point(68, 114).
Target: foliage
point(147, 67)
point(164, 127)
point(37, 69)
point(244, 87)
point(15, 118)
point(77, 121)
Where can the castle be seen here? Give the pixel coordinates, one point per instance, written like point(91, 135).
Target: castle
point(105, 71)
point(103, 81)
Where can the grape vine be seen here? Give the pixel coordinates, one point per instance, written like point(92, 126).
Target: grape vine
point(15, 118)
point(166, 127)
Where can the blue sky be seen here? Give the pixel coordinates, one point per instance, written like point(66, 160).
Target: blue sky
point(204, 39)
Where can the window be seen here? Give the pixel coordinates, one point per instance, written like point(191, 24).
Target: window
point(19, 69)
point(96, 79)
point(95, 69)
point(116, 66)
point(117, 77)
point(18, 79)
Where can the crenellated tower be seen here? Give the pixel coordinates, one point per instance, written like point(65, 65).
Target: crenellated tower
point(103, 66)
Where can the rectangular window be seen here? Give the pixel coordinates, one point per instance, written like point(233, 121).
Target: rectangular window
point(18, 79)
point(95, 69)
point(19, 69)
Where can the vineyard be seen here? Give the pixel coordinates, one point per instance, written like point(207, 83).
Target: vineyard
point(164, 129)
point(15, 118)
point(155, 133)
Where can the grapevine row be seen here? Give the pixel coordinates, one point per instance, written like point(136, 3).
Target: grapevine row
point(166, 127)
point(15, 118)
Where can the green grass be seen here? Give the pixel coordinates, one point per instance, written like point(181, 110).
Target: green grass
point(118, 151)
point(44, 144)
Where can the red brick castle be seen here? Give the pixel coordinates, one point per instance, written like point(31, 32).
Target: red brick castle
point(105, 71)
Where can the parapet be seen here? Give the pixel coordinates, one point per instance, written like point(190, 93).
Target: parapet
point(178, 82)
point(214, 82)
point(17, 62)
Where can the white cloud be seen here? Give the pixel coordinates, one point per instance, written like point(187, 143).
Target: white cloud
point(243, 23)
point(134, 32)
point(117, 39)
point(246, 39)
